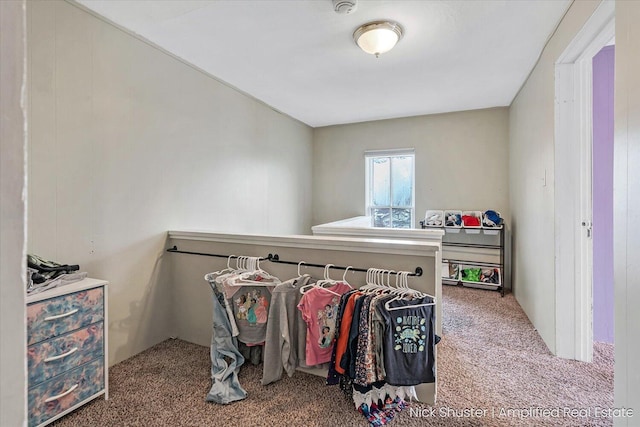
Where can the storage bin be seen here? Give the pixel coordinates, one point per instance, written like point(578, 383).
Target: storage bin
point(472, 229)
point(434, 219)
point(450, 271)
point(480, 277)
point(491, 229)
point(452, 221)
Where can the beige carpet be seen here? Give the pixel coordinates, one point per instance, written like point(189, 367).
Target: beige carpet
point(490, 359)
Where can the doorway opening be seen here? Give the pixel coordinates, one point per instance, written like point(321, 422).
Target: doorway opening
point(574, 269)
point(602, 178)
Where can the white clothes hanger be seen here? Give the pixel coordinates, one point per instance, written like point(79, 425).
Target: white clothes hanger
point(344, 276)
point(386, 305)
point(304, 288)
point(247, 266)
point(406, 290)
point(219, 272)
point(376, 280)
point(295, 281)
point(371, 283)
point(326, 280)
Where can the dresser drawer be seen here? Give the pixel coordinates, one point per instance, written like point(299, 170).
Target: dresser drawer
point(63, 392)
point(57, 316)
point(53, 357)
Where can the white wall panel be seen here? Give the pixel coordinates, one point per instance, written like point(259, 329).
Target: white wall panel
point(627, 211)
point(129, 142)
point(13, 329)
point(531, 180)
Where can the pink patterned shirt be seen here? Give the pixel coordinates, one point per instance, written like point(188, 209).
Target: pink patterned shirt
point(319, 308)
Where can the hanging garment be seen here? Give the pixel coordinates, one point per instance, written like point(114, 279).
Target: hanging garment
point(342, 333)
point(319, 307)
point(372, 371)
point(335, 373)
point(252, 353)
point(348, 360)
point(250, 300)
point(215, 281)
point(408, 341)
point(360, 371)
point(285, 331)
point(250, 306)
point(380, 402)
point(225, 357)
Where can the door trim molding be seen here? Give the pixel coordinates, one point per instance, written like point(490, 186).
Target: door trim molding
point(573, 186)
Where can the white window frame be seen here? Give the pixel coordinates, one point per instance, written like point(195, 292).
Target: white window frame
point(371, 154)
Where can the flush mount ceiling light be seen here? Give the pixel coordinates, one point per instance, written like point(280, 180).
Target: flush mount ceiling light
point(378, 37)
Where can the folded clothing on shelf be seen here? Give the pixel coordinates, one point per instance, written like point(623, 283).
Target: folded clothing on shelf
point(491, 218)
point(453, 220)
point(471, 274)
point(470, 221)
point(434, 220)
point(490, 275)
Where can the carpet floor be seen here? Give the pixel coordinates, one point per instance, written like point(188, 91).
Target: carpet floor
point(490, 359)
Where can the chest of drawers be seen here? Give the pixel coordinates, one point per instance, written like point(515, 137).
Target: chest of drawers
point(67, 351)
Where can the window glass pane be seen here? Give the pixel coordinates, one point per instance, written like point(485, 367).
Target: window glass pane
point(402, 170)
point(381, 217)
point(380, 168)
point(401, 218)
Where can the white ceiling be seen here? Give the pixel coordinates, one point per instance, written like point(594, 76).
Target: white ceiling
point(299, 56)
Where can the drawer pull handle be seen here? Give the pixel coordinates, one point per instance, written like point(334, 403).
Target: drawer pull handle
point(60, 396)
point(59, 316)
point(60, 356)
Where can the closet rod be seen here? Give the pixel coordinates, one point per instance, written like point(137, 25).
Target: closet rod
point(275, 258)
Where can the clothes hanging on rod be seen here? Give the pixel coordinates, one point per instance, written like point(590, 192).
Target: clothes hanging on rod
point(377, 340)
point(384, 345)
point(319, 308)
point(240, 312)
point(408, 340)
point(226, 360)
point(247, 290)
point(276, 259)
point(285, 344)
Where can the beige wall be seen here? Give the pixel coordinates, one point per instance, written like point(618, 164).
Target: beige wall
point(627, 210)
point(128, 142)
point(531, 158)
point(13, 369)
point(461, 162)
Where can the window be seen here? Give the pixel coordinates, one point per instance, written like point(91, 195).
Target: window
point(390, 187)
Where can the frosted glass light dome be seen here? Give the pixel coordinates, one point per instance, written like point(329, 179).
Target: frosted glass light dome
point(378, 37)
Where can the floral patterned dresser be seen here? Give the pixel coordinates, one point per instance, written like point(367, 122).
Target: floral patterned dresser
point(67, 352)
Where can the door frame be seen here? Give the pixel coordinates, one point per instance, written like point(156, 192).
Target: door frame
point(573, 185)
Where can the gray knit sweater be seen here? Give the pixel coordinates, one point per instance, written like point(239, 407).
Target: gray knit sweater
point(285, 342)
